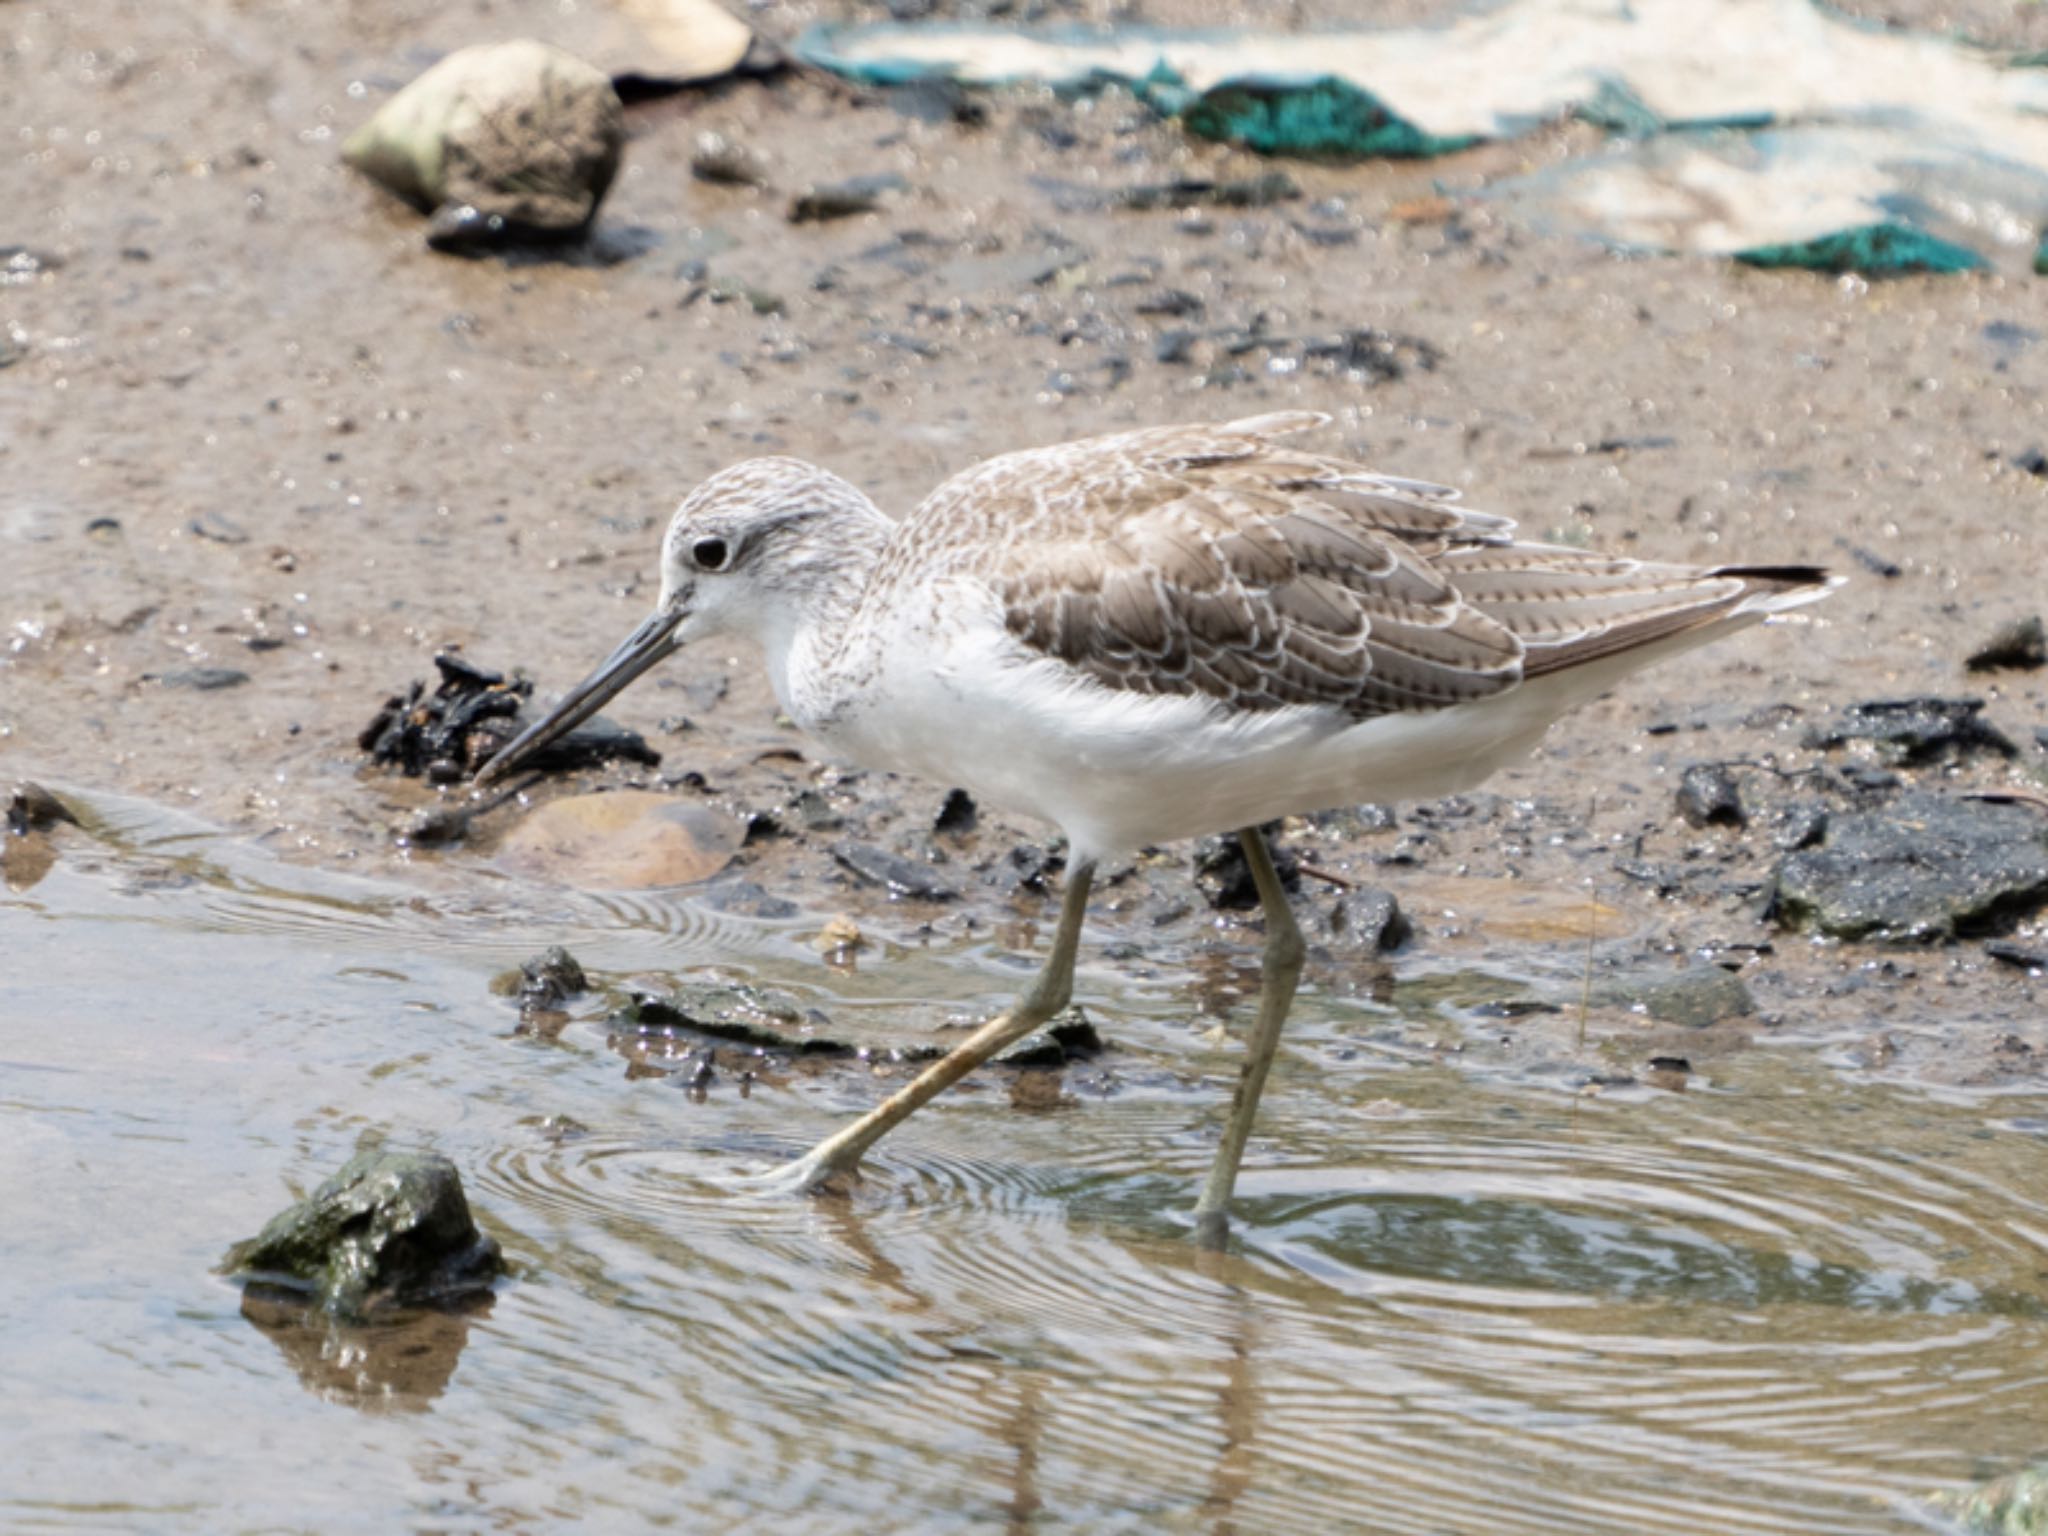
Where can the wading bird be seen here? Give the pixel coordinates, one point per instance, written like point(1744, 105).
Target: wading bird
point(1159, 635)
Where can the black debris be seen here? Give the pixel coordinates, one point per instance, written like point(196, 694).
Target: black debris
point(958, 814)
point(2021, 645)
point(474, 713)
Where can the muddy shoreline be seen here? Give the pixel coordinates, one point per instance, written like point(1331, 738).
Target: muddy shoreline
point(263, 456)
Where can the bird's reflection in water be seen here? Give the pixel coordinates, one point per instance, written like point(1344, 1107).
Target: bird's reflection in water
point(1024, 1398)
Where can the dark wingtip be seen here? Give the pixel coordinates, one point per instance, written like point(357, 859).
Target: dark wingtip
point(1780, 575)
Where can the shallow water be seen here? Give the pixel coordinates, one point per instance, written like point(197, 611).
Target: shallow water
point(1785, 1300)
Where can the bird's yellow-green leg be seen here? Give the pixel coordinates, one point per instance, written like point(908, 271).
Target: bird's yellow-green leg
point(841, 1152)
point(1280, 972)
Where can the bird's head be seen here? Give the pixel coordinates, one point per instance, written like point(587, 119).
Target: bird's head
point(745, 552)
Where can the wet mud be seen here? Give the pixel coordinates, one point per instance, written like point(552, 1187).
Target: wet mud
point(1599, 1190)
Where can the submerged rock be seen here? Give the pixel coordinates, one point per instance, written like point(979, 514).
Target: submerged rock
point(1070, 1037)
point(1923, 868)
point(1366, 921)
point(390, 1229)
point(626, 839)
point(1909, 731)
point(1691, 997)
point(550, 979)
point(742, 1014)
point(501, 142)
point(903, 877)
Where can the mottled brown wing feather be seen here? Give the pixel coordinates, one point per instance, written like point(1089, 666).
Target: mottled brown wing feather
point(1215, 561)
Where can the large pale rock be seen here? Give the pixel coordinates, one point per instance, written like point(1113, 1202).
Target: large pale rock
point(506, 139)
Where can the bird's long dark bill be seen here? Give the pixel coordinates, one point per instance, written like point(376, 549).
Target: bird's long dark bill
point(654, 639)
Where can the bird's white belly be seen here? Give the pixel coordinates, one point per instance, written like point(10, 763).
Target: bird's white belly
point(1117, 770)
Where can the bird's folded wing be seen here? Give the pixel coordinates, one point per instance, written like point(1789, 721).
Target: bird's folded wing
point(1218, 561)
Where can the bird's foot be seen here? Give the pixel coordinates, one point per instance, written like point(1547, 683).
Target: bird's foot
point(815, 1173)
point(1212, 1230)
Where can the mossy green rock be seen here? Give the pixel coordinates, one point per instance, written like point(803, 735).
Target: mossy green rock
point(390, 1229)
point(2015, 1505)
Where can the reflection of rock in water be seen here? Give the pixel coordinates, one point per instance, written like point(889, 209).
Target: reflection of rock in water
point(398, 1364)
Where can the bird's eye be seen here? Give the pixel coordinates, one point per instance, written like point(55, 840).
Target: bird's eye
point(710, 554)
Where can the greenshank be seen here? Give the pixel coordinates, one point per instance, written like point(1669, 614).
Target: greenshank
point(1159, 635)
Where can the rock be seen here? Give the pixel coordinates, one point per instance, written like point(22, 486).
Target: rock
point(839, 938)
point(13, 348)
point(200, 679)
point(1801, 824)
point(550, 979)
point(1708, 796)
point(631, 839)
point(744, 898)
point(903, 877)
point(1914, 731)
point(21, 265)
point(2021, 645)
point(471, 715)
point(720, 161)
point(1691, 998)
point(936, 100)
point(844, 199)
point(1173, 303)
point(505, 141)
point(1367, 921)
point(2013, 1505)
point(742, 1014)
point(958, 814)
point(684, 41)
point(32, 808)
point(1202, 192)
point(2009, 953)
point(390, 1229)
point(434, 826)
point(1226, 879)
point(1069, 1038)
point(218, 527)
point(1925, 867)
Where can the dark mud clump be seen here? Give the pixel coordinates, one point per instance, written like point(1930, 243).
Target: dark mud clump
point(1226, 878)
point(450, 733)
point(390, 1229)
point(2020, 646)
